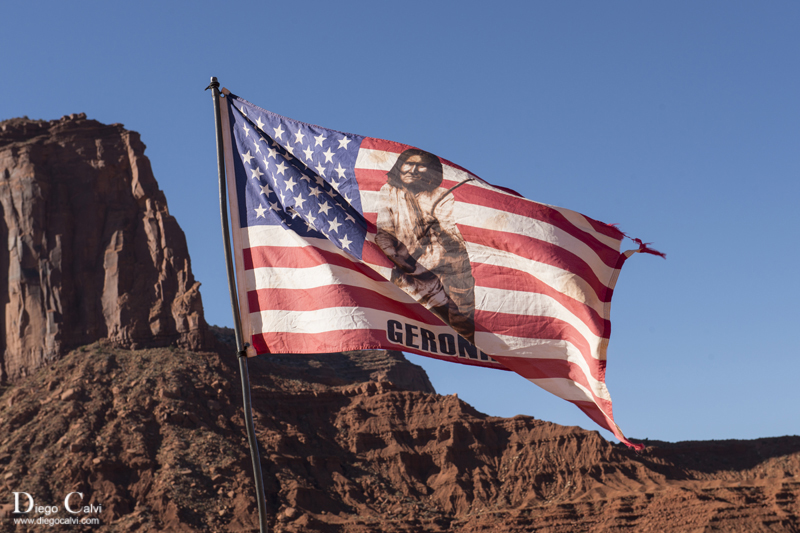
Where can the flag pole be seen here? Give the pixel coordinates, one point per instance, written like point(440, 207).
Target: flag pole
point(237, 322)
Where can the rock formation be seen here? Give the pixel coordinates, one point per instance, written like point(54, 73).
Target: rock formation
point(156, 438)
point(93, 252)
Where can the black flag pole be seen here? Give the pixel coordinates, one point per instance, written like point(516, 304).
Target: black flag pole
point(237, 323)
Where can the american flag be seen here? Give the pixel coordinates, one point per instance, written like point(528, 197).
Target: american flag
point(305, 203)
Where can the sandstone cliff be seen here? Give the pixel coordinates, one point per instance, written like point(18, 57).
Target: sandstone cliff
point(92, 252)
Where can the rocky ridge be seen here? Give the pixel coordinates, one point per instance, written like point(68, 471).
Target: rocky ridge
point(156, 438)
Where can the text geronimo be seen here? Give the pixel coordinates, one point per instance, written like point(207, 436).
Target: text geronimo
point(427, 341)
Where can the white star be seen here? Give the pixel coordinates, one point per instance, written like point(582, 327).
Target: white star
point(242, 110)
point(309, 152)
point(272, 152)
point(350, 218)
point(310, 226)
point(305, 178)
point(345, 242)
point(315, 192)
point(294, 213)
point(256, 173)
point(320, 170)
point(339, 170)
point(290, 150)
point(346, 198)
point(334, 224)
point(279, 132)
point(260, 211)
point(258, 148)
point(246, 130)
point(266, 190)
point(298, 137)
point(311, 218)
point(247, 157)
point(299, 201)
point(260, 124)
point(266, 163)
point(344, 142)
point(282, 168)
point(328, 155)
point(274, 206)
point(319, 139)
point(335, 184)
point(290, 184)
point(324, 208)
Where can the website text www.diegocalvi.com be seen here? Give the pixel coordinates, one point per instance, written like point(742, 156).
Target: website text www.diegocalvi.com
point(68, 521)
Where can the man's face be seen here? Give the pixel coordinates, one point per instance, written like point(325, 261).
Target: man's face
point(412, 169)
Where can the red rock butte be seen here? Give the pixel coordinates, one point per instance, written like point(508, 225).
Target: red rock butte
point(93, 252)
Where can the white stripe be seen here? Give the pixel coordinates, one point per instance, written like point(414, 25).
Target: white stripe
point(334, 319)
point(512, 302)
point(375, 159)
point(279, 236)
point(321, 276)
point(565, 388)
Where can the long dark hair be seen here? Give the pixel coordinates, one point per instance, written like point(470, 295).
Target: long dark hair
point(428, 181)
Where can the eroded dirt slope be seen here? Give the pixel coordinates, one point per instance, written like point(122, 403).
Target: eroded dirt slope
point(353, 443)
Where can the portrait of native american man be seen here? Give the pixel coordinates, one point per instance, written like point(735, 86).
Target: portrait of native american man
point(416, 229)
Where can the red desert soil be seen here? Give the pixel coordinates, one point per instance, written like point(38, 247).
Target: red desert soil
point(354, 442)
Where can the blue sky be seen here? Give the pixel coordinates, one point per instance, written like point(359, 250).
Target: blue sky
point(679, 121)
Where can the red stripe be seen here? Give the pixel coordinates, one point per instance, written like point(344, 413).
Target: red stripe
point(333, 296)
point(594, 412)
point(370, 143)
point(327, 342)
point(370, 179)
point(373, 255)
point(606, 229)
point(539, 251)
point(373, 180)
point(499, 277)
point(372, 221)
point(305, 257)
point(539, 327)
